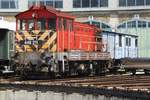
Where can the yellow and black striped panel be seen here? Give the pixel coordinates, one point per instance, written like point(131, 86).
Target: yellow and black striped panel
point(28, 41)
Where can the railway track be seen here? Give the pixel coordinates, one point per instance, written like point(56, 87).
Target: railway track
point(114, 81)
point(117, 85)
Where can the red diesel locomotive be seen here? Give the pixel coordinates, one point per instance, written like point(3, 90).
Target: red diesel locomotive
point(50, 41)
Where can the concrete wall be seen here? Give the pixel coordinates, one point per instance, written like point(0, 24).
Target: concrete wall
point(11, 94)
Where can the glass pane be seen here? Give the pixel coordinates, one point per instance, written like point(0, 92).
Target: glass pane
point(49, 3)
point(139, 2)
point(122, 2)
point(41, 24)
point(97, 24)
point(65, 24)
point(127, 42)
point(94, 3)
point(85, 3)
point(22, 24)
point(30, 3)
point(120, 41)
point(76, 3)
point(58, 4)
point(52, 24)
point(13, 4)
point(148, 24)
point(141, 24)
point(70, 25)
point(105, 26)
point(131, 24)
point(41, 2)
point(30, 24)
point(103, 3)
point(122, 25)
point(5, 4)
point(131, 2)
point(136, 42)
point(147, 2)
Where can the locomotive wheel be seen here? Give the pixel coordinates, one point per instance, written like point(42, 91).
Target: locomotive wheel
point(147, 72)
point(133, 71)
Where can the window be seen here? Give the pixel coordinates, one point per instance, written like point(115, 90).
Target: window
point(122, 25)
point(76, 3)
point(12, 4)
point(89, 3)
point(58, 4)
point(120, 40)
point(9, 4)
point(103, 26)
point(42, 3)
point(65, 24)
point(21, 24)
point(128, 41)
point(5, 4)
point(139, 2)
point(148, 24)
point(131, 24)
point(30, 24)
point(49, 3)
point(97, 24)
point(53, 3)
point(147, 2)
point(122, 3)
point(70, 25)
point(85, 3)
point(41, 24)
point(136, 42)
point(52, 24)
point(141, 24)
point(94, 3)
point(103, 3)
point(100, 25)
point(131, 2)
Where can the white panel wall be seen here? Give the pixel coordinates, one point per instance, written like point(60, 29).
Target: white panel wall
point(112, 41)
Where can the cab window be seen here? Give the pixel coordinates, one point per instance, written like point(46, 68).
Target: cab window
point(70, 25)
point(65, 24)
point(52, 24)
point(31, 24)
point(41, 24)
point(21, 24)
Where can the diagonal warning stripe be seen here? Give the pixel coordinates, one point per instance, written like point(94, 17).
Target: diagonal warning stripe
point(18, 37)
point(18, 48)
point(46, 40)
point(44, 35)
point(54, 48)
point(49, 42)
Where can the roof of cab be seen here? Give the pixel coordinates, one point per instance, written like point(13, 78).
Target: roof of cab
point(42, 12)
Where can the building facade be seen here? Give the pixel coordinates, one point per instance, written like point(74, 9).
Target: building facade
point(123, 16)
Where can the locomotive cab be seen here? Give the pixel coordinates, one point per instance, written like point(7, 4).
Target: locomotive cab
point(41, 28)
